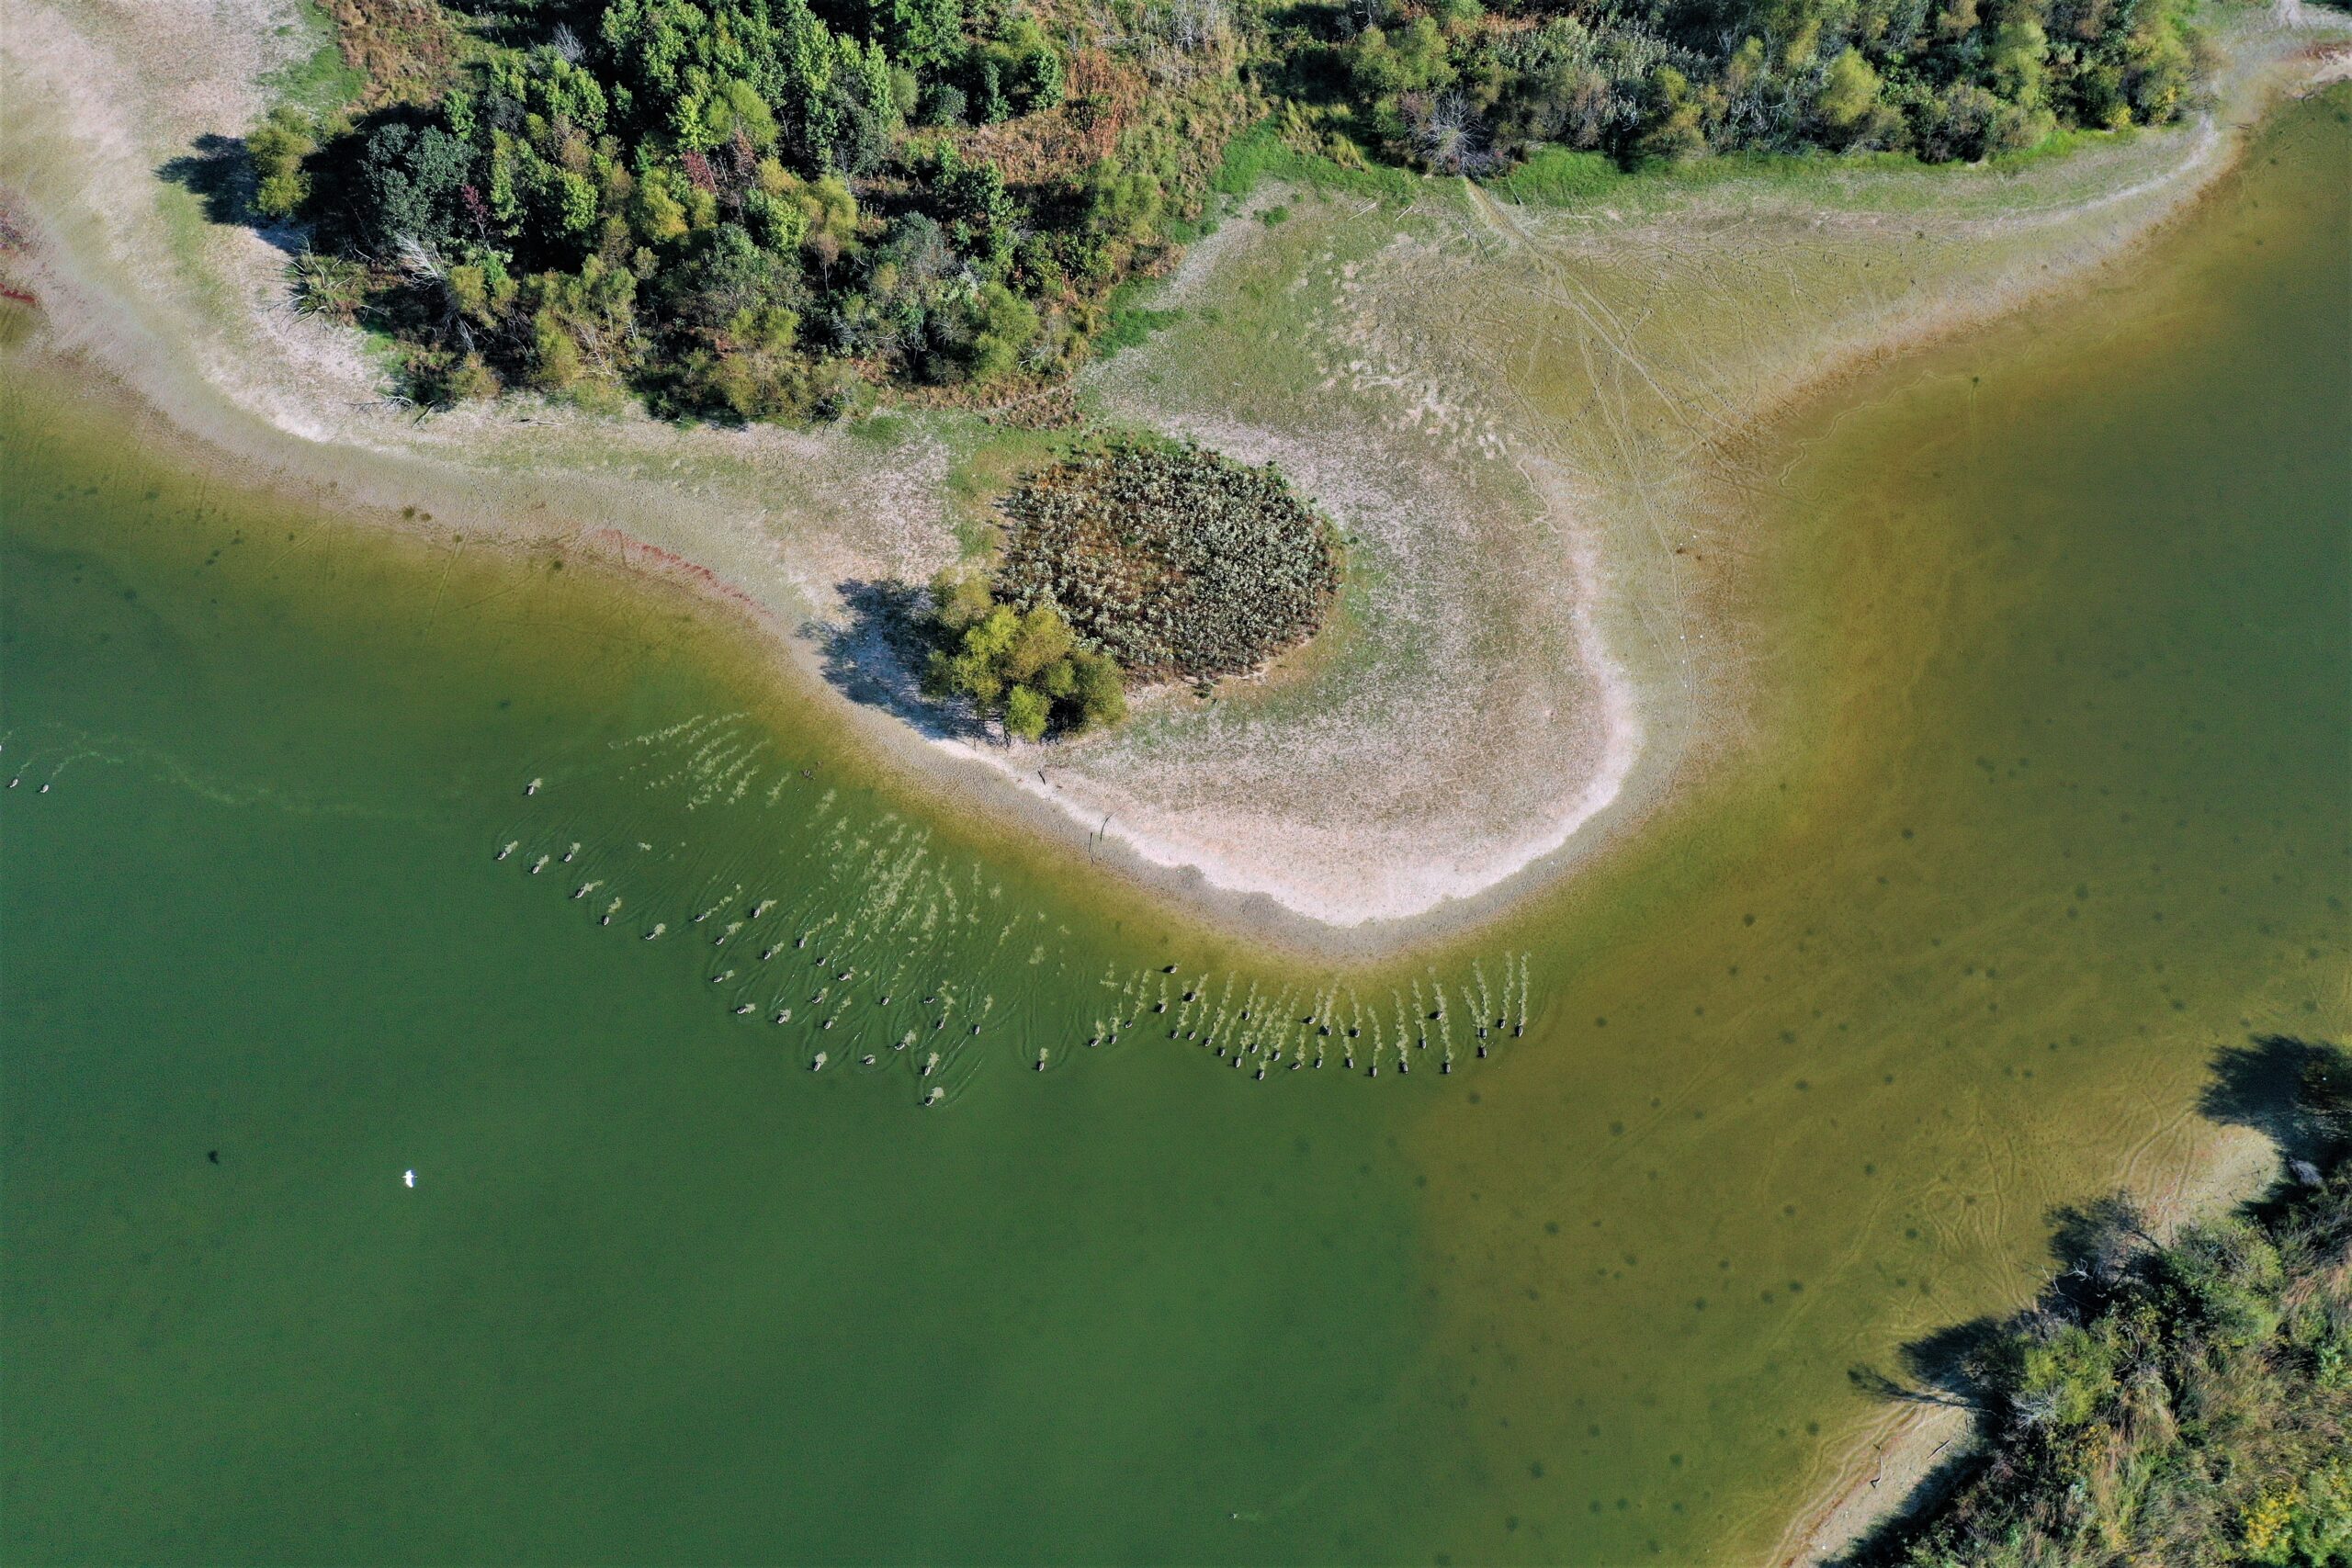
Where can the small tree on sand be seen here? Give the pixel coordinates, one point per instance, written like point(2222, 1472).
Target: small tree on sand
point(1026, 670)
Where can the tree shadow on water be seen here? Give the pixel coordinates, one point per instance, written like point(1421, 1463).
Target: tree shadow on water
point(219, 172)
point(875, 655)
point(2291, 1090)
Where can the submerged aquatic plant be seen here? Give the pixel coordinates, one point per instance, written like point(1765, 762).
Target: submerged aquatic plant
point(1172, 559)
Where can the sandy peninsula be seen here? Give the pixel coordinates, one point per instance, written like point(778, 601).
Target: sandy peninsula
point(1537, 426)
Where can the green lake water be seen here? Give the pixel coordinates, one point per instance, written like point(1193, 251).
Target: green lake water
point(2055, 673)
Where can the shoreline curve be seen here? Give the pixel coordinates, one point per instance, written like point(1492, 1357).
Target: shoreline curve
point(110, 326)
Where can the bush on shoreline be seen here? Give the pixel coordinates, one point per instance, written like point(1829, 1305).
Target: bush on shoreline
point(1025, 669)
point(2185, 1403)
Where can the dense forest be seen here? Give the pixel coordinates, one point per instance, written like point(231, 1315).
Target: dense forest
point(2185, 1401)
point(765, 209)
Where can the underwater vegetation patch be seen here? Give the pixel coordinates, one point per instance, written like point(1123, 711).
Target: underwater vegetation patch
point(857, 942)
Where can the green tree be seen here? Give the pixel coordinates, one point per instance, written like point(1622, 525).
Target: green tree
point(1025, 668)
point(924, 34)
point(1848, 92)
point(1008, 324)
point(978, 214)
point(1044, 641)
point(410, 181)
point(958, 598)
point(1099, 691)
point(1671, 128)
point(277, 147)
point(1028, 65)
point(1413, 59)
point(2018, 61)
point(1027, 710)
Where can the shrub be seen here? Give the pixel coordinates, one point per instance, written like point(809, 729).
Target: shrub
point(278, 148)
point(326, 285)
point(1025, 668)
point(958, 598)
point(1007, 324)
point(1848, 92)
point(1026, 709)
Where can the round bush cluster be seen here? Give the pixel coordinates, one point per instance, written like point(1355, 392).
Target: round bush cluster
point(1172, 559)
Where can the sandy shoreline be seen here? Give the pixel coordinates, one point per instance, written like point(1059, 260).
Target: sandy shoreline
point(1415, 888)
point(1358, 826)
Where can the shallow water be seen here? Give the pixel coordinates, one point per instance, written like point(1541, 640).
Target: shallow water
point(2054, 802)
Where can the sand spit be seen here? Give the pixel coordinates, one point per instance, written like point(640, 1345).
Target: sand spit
point(1535, 426)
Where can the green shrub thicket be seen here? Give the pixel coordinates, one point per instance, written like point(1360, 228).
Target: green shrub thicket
point(1025, 668)
point(760, 208)
point(1453, 86)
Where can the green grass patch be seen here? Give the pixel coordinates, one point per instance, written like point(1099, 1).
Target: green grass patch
point(878, 430)
point(319, 80)
point(1562, 176)
point(1559, 176)
point(1773, 168)
point(994, 465)
point(1261, 153)
point(187, 233)
point(1796, 168)
point(1131, 321)
point(1184, 230)
point(2059, 142)
point(1131, 324)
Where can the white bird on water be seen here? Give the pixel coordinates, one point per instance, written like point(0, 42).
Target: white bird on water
point(408, 1178)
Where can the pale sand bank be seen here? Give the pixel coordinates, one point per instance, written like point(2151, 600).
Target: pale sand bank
point(1530, 423)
